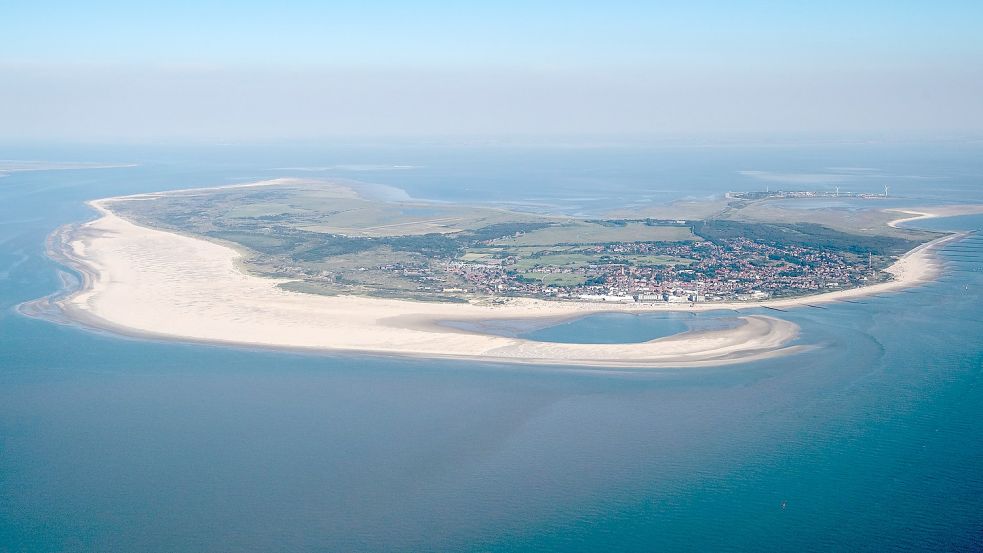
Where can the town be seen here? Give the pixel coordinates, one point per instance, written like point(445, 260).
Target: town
point(731, 270)
point(791, 194)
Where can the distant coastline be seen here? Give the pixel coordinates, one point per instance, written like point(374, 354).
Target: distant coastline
point(14, 166)
point(146, 282)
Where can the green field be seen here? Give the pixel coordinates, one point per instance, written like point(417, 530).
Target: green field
point(589, 232)
point(561, 260)
point(249, 211)
point(659, 260)
point(557, 279)
point(316, 207)
point(478, 256)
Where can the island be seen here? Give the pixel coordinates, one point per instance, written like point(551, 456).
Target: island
point(339, 266)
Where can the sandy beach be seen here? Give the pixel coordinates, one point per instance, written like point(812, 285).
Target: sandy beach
point(147, 282)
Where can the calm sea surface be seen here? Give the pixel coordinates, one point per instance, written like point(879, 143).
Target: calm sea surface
point(871, 441)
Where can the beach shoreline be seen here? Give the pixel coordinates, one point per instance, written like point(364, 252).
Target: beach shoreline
point(150, 283)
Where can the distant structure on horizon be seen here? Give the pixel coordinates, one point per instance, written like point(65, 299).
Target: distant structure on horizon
point(836, 193)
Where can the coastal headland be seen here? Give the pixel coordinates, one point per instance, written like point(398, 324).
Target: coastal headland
point(150, 282)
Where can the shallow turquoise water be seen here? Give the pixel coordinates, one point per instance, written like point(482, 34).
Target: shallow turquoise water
point(870, 441)
point(624, 328)
point(610, 328)
point(601, 328)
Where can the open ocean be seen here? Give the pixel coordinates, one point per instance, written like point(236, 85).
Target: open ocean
point(872, 441)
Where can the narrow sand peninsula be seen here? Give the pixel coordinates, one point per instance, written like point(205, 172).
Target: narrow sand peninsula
point(148, 282)
point(938, 211)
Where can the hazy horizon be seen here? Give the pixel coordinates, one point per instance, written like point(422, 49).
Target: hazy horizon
point(242, 71)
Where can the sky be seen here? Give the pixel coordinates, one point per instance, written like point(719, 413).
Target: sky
point(242, 71)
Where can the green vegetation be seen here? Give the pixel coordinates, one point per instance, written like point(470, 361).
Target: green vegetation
point(332, 240)
point(655, 260)
point(556, 279)
point(809, 235)
point(261, 211)
point(599, 232)
point(560, 260)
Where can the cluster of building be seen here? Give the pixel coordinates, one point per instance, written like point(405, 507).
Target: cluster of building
point(737, 269)
point(835, 193)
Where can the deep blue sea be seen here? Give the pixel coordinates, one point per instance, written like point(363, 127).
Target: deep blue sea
point(871, 441)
